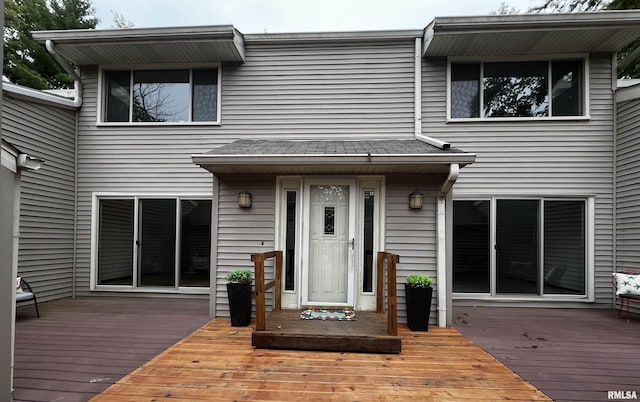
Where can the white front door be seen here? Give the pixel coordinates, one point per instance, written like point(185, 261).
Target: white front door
point(328, 277)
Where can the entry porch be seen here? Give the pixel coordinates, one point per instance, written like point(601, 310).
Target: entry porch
point(373, 332)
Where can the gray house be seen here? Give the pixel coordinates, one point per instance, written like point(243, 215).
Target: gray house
point(479, 149)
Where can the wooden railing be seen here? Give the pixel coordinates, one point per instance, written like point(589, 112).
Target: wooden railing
point(392, 307)
point(261, 288)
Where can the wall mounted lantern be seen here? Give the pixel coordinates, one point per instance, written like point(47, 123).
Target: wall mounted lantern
point(415, 200)
point(244, 199)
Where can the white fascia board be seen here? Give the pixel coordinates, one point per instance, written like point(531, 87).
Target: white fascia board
point(628, 93)
point(34, 95)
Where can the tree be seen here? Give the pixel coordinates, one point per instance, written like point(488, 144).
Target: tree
point(27, 62)
point(628, 57)
point(119, 21)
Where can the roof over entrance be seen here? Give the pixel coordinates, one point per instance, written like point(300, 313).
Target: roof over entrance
point(331, 157)
point(493, 35)
point(147, 45)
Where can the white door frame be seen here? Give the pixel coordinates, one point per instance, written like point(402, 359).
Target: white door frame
point(353, 195)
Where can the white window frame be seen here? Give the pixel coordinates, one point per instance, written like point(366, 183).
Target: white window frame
point(136, 197)
point(588, 296)
point(545, 58)
point(100, 115)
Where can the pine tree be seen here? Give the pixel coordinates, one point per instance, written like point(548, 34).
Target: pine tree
point(27, 62)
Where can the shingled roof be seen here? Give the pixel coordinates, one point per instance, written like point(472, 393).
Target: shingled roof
point(335, 156)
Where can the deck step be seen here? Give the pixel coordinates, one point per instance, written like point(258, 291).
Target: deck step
point(326, 342)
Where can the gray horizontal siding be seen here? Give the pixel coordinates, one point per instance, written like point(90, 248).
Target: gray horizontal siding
point(628, 186)
point(242, 232)
point(411, 234)
point(337, 91)
point(47, 196)
point(543, 158)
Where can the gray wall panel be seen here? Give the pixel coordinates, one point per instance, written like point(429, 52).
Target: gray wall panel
point(47, 204)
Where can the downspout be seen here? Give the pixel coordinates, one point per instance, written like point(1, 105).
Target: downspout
point(213, 260)
point(614, 83)
point(441, 225)
point(417, 100)
point(74, 71)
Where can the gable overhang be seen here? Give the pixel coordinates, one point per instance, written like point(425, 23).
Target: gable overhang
point(140, 46)
point(438, 162)
point(530, 34)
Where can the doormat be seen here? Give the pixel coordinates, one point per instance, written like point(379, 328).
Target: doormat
point(328, 314)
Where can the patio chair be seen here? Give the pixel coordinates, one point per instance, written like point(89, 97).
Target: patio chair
point(627, 287)
point(24, 294)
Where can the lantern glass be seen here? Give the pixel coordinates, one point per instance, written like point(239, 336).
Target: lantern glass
point(415, 200)
point(244, 199)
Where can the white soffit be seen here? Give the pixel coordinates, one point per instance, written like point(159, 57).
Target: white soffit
point(147, 45)
point(530, 34)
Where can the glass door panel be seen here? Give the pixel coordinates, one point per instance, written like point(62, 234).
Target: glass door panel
point(517, 246)
point(115, 242)
point(471, 257)
point(195, 242)
point(157, 242)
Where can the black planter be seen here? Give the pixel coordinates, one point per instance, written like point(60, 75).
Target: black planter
point(418, 307)
point(239, 295)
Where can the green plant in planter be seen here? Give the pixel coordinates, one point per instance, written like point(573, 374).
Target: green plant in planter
point(240, 296)
point(419, 281)
point(240, 276)
point(418, 293)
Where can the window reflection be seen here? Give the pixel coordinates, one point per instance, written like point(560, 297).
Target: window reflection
point(515, 90)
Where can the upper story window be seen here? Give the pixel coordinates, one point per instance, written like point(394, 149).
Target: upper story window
point(525, 89)
point(161, 96)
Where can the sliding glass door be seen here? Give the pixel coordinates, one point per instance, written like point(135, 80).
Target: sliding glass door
point(521, 247)
point(153, 242)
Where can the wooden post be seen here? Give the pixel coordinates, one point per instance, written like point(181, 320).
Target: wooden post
point(392, 313)
point(258, 263)
point(278, 291)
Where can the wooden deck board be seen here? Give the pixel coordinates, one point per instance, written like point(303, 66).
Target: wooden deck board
point(79, 347)
point(218, 362)
point(570, 354)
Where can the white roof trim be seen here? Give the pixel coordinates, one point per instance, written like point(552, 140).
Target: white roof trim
point(628, 93)
point(34, 95)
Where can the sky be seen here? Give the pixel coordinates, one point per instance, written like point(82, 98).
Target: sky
point(275, 16)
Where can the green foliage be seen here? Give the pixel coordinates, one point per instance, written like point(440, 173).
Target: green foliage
point(240, 276)
point(419, 281)
point(27, 62)
point(632, 65)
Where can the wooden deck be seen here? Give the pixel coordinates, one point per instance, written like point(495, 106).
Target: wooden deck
point(79, 347)
point(82, 346)
point(218, 363)
point(570, 354)
point(368, 333)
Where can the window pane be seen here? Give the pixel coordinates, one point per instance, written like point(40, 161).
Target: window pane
point(369, 198)
point(195, 242)
point(117, 96)
point(157, 242)
point(517, 246)
point(205, 95)
point(115, 242)
point(564, 247)
point(516, 89)
point(567, 88)
point(471, 266)
point(290, 257)
point(465, 90)
point(161, 96)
